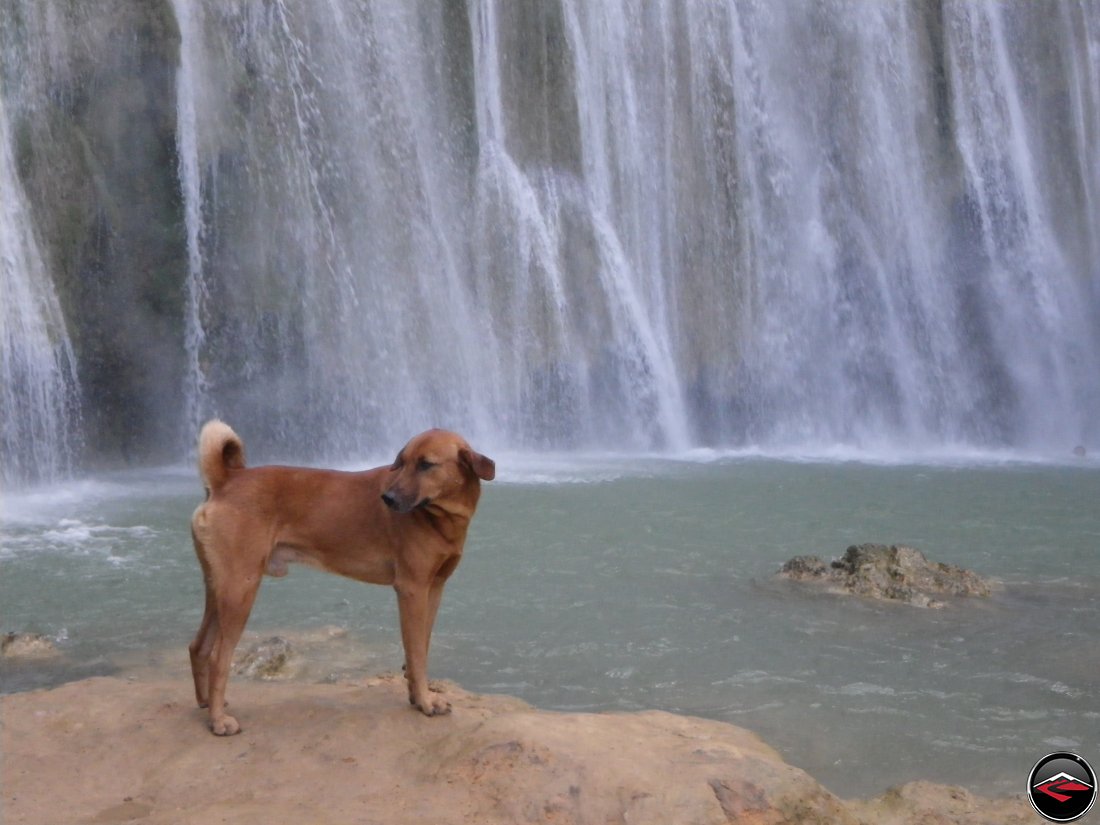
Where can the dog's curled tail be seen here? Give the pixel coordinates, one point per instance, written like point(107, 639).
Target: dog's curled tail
point(220, 450)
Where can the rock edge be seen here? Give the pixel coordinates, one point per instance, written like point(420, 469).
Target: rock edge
point(339, 753)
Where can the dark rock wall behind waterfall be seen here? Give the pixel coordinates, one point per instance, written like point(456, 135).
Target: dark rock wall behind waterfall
point(560, 224)
point(91, 89)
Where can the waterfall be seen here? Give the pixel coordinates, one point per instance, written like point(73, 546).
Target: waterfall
point(39, 399)
point(570, 224)
point(909, 285)
point(188, 89)
point(386, 260)
point(328, 218)
point(37, 381)
point(562, 225)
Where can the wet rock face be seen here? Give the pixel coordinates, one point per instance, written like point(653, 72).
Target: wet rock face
point(803, 568)
point(889, 572)
point(91, 94)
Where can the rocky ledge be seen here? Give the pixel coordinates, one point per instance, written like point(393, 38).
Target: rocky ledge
point(131, 751)
point(889, 572)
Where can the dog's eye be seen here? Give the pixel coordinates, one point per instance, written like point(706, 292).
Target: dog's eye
point(424, 465)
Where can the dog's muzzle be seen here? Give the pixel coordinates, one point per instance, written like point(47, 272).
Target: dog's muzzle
point(403, 506)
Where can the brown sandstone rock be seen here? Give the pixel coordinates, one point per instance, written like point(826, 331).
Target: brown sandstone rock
point(111, 750)
point(923, 803)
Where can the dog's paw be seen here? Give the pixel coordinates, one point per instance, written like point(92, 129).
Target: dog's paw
point(432, 705)
point(224, 726)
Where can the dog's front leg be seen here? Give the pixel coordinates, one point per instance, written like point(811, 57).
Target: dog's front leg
point(413, 609)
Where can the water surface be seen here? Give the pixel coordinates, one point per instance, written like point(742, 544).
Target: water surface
point(595, 583)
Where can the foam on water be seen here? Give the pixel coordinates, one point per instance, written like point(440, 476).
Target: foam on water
point(74, 538)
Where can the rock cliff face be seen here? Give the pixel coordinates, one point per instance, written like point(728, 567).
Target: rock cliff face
point(91, 91)
point(889, 572)
point(139, 752)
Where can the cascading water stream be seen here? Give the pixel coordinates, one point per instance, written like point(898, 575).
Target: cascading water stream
point(196, 390)
point(38, 393)
point(756, 223)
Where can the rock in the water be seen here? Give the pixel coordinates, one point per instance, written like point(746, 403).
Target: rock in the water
point(27, 646)
point(889, 572)
point(273, 658)
point(802, 568)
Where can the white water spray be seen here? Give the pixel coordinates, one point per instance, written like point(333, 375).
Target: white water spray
point(38, 404)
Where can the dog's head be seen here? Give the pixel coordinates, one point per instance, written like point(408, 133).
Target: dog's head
point(436, 468)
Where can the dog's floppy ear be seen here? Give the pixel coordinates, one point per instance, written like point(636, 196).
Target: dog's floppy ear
point(484, 467)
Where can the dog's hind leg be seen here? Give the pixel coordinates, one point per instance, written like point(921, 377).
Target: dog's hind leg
point(201, 647)
point(233, 603)
point(203, 642)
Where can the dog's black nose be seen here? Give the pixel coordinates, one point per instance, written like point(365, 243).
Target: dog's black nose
point(389, 500)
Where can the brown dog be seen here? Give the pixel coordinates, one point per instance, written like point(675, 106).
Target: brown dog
point(402, 525)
